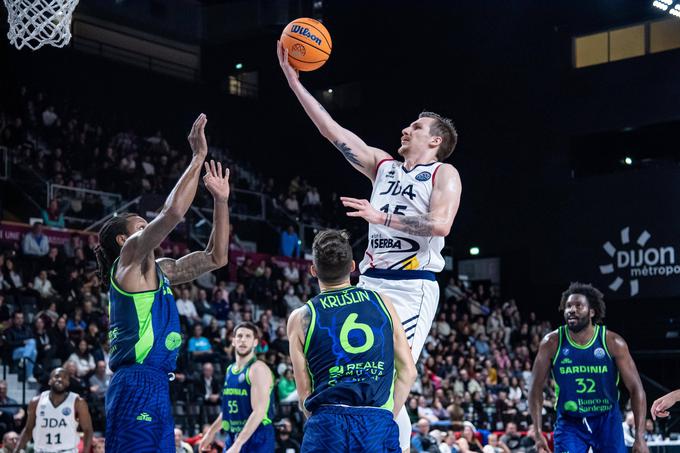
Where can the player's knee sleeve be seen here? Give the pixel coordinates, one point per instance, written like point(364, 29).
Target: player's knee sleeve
point(405, 429)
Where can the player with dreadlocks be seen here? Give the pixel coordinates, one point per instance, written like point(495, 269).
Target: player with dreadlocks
point(144, 329)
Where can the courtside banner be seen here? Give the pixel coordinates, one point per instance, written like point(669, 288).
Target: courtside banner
point(622, 233)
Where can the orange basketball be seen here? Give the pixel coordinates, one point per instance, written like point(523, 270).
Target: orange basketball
point(308, 42)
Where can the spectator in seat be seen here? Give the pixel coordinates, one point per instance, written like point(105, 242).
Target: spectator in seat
point(43, 343)
point(208, 387)
point(76, 326)
point(35, 244)
point(186, 308)
point(9, 442)
point(290, 245)
point(494, 445)
point(284, 442)
point(238, 295)
point(199, 346)
point(512, 439)
point(20, 340)
point(60, 340)
point(43, 286)
point(468, 441)
point(448, 444)
point(99, 381)
point(423, 441)
point(12, 415)
point(291, 273)
point(83, 360)
point(52, 216)
point(204, 308)
point(77, 385)
point(286, 386)
point(180, 445)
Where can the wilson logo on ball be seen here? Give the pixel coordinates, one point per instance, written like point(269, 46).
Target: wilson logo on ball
point(304, 31)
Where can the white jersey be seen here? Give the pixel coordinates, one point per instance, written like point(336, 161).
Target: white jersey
point(402, 192)
point(56, 428)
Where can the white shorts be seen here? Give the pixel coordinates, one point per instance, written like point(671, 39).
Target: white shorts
point(415, 302)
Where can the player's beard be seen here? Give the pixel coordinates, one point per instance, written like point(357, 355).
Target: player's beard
point(244, 354)
point(581, 324)
point(57, 391)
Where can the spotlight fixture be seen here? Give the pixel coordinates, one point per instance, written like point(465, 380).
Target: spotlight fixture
point(667, 5)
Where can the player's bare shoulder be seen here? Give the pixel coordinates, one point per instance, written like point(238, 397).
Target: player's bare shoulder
point(550, 341)
point(445, 175)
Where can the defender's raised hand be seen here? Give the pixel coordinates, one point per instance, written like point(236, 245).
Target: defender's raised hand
point(216, 181)
point(196, 138)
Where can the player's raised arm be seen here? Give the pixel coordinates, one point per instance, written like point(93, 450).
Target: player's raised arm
point(403, 361)
point(140, 244)
point(27, 433)
point(444, 204)
point(85, 421)
point(539, 378)
point(361, 156)
point(298, 324)
point(631, 379)
point(216, 253)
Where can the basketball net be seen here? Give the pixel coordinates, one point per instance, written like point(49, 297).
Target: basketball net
point(35, 23)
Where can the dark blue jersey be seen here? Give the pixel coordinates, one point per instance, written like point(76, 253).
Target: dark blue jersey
point(350, 350)
point(236, 407)
point(586, 376)
point(144, 326)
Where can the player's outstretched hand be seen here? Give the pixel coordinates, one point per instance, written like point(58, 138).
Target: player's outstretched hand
point(363, 209)
point(290, 72)
point(660, 407)
point(196, 138)
point(640, 446)
point(541, 444)
point(216, 181)
point(206, 442)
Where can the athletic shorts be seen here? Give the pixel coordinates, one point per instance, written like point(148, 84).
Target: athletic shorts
point(415, 301)
point(263, 440)
point(138, 412)
point(601, 432)
point(342, 429)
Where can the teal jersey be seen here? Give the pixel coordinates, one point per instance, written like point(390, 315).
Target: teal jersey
point(349, 349)
point(144, 326)
point(586, 376)
point(236, 406)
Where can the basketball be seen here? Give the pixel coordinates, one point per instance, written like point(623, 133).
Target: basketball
point(308, 42)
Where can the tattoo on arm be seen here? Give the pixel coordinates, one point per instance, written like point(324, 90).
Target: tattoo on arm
point(418, 226)
point(305, 321)
point(348, 153)
point(187, 268)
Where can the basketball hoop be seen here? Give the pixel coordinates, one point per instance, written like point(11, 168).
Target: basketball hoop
point(35, 23)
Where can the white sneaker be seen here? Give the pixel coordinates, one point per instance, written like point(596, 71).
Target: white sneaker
point(32, 380)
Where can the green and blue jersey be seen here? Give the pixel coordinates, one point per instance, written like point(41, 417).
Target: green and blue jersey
point(349, 349)
point(586, 376)
point(236, 405)
point(144, 326)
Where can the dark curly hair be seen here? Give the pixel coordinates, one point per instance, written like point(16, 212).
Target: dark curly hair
point(594, 297)
point(108, 249)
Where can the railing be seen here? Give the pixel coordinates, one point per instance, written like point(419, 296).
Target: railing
point(120, 208)
point(84, 205)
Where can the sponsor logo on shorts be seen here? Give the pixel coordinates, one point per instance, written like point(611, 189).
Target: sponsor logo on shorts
point(304, 31)
point(144, 417)
point(423, 176)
